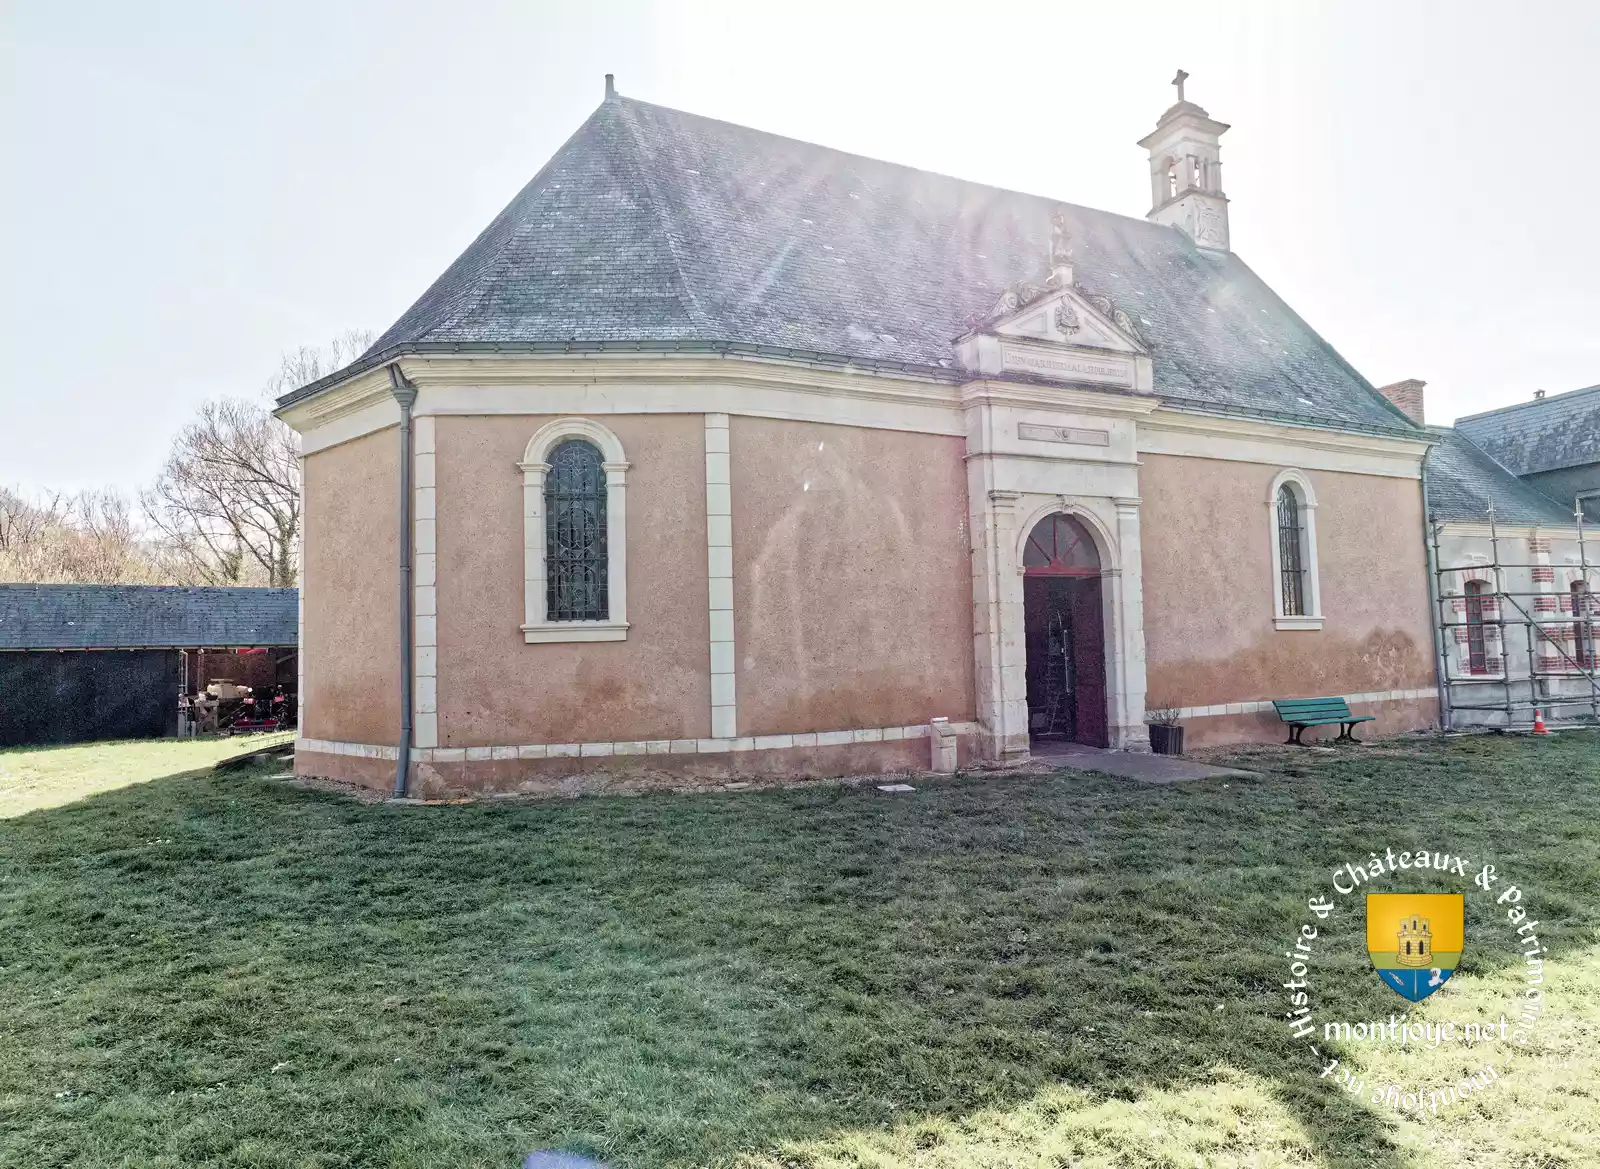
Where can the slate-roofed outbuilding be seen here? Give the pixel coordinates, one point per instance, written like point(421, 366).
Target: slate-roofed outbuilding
point(656, 229)
point(71, 616)
point(1464, 481)
point(1544, 434)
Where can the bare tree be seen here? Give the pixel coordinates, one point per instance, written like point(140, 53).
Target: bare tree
point(308, 363)
point(25, 523)
point(89, 538)
point(228, 498)
point(227, 501)
point(106, 548)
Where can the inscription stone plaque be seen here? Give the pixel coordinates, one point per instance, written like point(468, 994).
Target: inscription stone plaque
point(1073, 434)
point(1071, 367)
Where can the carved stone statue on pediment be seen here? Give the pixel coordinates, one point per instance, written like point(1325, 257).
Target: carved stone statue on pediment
point(1060, 240)
point(1009, 302)
point(1125, 323)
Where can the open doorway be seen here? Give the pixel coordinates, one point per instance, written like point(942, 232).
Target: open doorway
point(1063, 619)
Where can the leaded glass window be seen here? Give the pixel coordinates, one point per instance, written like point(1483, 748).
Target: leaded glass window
point(575, 534)
point(1477, 652)
point(1060, 546)
point(1290, 559)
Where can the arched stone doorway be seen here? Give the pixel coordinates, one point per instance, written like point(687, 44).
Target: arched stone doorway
point(1064, 629)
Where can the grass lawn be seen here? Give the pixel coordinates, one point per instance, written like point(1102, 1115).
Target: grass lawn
point(1027, 971)
point(49, 777)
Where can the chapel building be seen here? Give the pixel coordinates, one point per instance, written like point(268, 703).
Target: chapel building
point(719, 453)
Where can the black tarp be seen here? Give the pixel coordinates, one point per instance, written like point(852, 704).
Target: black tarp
point(83, 695)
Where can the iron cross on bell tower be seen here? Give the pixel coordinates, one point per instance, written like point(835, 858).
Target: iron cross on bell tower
point(1186, 171)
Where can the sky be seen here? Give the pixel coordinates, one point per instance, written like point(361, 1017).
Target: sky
point(193, 189)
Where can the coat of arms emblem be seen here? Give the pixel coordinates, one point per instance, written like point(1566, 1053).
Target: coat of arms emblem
point(1415, 939)
point(1066, 317)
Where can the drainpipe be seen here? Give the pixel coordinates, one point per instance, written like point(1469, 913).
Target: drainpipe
point(405, 394)
point(1435, 612)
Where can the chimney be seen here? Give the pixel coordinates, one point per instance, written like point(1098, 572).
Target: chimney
point(611, 86)
point(1408, 396)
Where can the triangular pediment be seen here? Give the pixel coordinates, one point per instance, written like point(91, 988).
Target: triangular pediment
point(1058, 333)
point(1073, 318)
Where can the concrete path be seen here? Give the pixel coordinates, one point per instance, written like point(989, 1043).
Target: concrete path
point(1145, 768)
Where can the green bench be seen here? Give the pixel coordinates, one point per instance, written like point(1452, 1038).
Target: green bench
point(1300, 713)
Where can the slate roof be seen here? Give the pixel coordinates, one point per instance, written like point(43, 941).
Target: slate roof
point(67, 616)
point(652, 228)
point(1463, 481)
point(1544, 434)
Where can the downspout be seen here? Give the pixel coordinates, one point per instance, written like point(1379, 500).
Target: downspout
point(1430, 540)
point(405, 394)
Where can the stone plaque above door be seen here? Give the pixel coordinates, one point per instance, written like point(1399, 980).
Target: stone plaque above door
point(1072, 434)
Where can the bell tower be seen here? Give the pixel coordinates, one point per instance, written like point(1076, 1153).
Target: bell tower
point(1186, 172)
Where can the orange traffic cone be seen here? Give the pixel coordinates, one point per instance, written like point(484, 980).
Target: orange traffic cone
point(1538, 722)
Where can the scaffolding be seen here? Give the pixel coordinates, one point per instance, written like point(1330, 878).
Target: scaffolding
point(1546, 632)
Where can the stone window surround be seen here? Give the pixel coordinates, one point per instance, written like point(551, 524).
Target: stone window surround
point(1476, 568)
point(1307, 496)
point(1459, 657)
point(537, 628)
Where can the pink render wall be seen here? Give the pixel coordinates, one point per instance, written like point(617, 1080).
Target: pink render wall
point(852, 579)
point(496, 689)
point(351, 585)
point(1208, 604)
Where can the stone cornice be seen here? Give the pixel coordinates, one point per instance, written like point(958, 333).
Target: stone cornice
point(1174, 421)
point(1515, 530)
point(369, 389)
point(507, 371)
point(1047, 396)
point(766, 387)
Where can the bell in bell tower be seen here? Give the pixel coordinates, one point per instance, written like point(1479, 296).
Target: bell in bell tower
point(1186, 172)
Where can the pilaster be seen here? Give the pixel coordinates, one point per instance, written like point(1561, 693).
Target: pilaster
point(719, 572)
point(1000, 654)
point(425, 592)
point(1126, 715)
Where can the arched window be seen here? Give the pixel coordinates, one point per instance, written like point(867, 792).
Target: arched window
point(1477, 657)
point(1583, 625)
point(1172, 179)
point(1297, 598)
point(1060, 546)
point(574, 534)
point(1291, 560)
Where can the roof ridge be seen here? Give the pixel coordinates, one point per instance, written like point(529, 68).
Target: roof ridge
point(905, 166)
point(653, 198)
point(458, 306)
point(1528, 403)
point(498, 263)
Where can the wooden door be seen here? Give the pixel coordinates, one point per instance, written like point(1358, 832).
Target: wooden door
point(1089, 663)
